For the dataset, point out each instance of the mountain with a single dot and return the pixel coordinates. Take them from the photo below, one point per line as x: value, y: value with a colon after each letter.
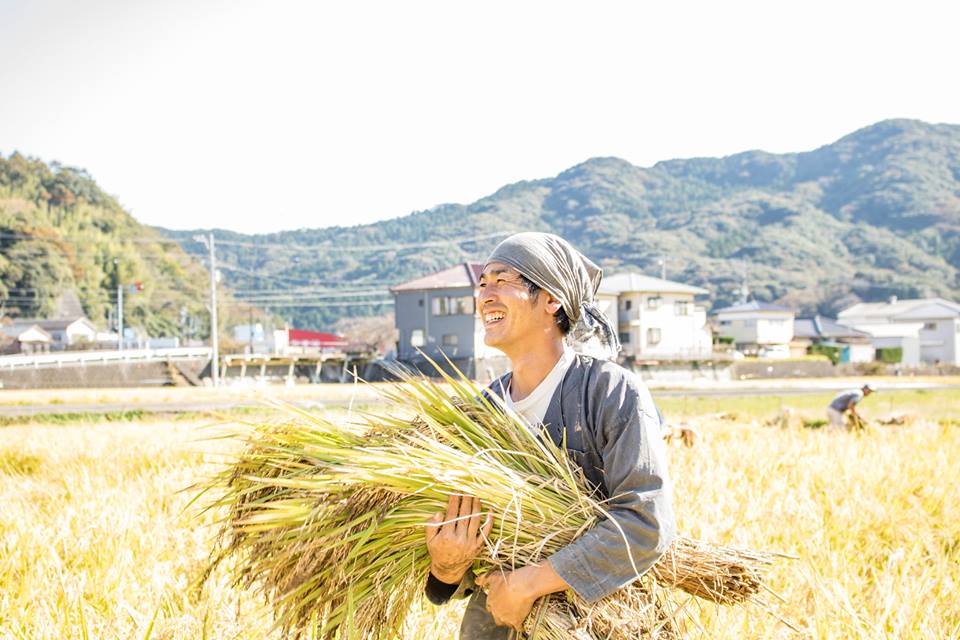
x: 874, y: 214
x: 65, y: 246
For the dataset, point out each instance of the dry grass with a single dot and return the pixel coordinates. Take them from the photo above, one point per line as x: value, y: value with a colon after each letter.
x: 93, y: 541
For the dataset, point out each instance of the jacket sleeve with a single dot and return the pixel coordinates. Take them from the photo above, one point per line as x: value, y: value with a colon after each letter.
x: 640, y: 524
x: 440, y: 593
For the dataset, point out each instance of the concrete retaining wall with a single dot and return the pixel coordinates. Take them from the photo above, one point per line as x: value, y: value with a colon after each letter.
x: 97, y: 374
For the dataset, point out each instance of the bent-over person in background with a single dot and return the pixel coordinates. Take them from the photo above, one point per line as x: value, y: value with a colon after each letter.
x: 846, y: 403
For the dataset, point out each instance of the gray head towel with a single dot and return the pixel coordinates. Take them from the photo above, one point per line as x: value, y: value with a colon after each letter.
x: 555, y: 266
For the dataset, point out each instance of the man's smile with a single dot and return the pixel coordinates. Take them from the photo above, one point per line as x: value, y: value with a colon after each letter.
x: 492, y: 317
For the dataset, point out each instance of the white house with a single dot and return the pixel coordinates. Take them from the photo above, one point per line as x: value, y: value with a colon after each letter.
x: 22, y: 338
x: 934, y: 321
x: 65, y: 333
x: 658, y: 318
x: 757, y: 328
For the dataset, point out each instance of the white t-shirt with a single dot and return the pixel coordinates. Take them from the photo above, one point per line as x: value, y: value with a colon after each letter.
x: 533, y: 408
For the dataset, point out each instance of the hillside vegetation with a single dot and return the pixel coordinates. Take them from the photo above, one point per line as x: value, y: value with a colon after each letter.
x: 60, y: 232
x: 874, y: 214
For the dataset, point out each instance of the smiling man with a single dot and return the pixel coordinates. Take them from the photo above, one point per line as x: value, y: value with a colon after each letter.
x: 537, y: 304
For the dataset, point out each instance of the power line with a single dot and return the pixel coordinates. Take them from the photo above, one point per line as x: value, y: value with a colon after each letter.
x: 307, y: 305
x: 265, y: 297
x: 88, y: 240
x: 262, y: 245
x: 374, y: 247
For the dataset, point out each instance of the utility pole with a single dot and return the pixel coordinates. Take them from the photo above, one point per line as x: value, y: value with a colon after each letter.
x: 214, y: 345
x: 119, y: 317
x: 215, y: 362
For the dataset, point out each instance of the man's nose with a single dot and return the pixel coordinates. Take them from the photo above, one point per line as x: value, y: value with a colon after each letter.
x: 487, y: 296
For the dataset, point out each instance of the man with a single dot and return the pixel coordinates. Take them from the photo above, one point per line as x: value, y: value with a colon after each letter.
x: 536, y: 302
x: 846, y: 402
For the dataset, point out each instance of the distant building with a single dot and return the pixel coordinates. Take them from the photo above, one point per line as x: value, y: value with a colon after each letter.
x: 934, y: 321
x: 24, y: 339
x: 757, y: 328
x: 255, y: 339
x: 66, y: 333
x: 318, y: 340
x: 658, y: 319
x: 437, y: 314
x: 249, y: 333
x: 852, y: 345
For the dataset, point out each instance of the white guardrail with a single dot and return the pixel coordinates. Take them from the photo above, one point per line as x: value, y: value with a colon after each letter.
x: 62, y: 358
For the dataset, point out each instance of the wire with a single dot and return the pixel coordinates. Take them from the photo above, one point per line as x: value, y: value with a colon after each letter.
x: 306, y: 305
x: 87, y: 240
x: 264, y: 297
x: 261, y: 245
x: 378, y: 247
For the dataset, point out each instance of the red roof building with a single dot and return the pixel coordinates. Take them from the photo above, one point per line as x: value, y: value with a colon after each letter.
x: 315, y: 339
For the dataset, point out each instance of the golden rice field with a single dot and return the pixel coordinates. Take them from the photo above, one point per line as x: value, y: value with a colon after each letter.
x: 97, y: 540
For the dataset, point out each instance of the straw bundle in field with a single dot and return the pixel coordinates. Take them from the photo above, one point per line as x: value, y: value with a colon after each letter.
x: 327, y: 519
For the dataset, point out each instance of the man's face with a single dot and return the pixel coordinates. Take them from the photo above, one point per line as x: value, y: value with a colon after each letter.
x: 510, y: 314
x: 867, y: 391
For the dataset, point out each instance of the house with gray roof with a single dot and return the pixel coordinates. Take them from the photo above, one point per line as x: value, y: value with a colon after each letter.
x: 16, y: 338
x: 436, y: 315
x: 933, y: 322
x: 66, y: 333
x: 852, y: 345
x: 757, y: 328
x: 659, y: 319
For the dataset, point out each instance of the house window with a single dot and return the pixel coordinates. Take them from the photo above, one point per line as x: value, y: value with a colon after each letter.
x: 624, y: 337
x: 653, y: 335
x: 627, y: 304
x: 453, y: 306
x: 416, y: 338
x: 929, y: 326
x: 450, y: 340
x: 653, y: 302
x: 682, y: 308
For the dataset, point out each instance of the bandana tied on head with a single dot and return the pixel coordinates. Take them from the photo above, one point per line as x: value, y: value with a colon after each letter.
x: 551, y: 263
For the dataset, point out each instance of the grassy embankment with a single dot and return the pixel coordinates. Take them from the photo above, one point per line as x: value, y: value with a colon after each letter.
x: 94, y: 540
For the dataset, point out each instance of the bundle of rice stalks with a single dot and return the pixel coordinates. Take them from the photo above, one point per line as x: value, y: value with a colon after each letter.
x: 327, y: 519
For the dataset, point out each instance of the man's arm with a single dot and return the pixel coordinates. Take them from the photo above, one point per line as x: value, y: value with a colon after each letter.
x: 852, y: 407
x: 640, y: 524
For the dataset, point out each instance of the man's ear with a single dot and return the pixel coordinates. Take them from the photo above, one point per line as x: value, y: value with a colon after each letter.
x: 553, y: 305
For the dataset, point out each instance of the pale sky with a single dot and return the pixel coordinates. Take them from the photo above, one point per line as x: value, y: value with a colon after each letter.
x: 263, y: 116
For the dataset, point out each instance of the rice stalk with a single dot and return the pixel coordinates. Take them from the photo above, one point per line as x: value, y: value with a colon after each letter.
x: 327, y: 519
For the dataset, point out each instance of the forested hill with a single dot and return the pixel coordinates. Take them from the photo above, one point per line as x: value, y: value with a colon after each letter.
x: 59, y: 232
x: 874, y: 214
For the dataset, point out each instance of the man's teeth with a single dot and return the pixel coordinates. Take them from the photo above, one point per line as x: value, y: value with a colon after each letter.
x: 493, y: 317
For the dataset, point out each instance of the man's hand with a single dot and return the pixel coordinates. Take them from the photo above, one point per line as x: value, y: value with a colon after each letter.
x: 455, y: 538
x: 511, y: 594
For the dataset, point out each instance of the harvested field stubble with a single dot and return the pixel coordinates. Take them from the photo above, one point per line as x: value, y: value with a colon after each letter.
x: 93, y: 538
